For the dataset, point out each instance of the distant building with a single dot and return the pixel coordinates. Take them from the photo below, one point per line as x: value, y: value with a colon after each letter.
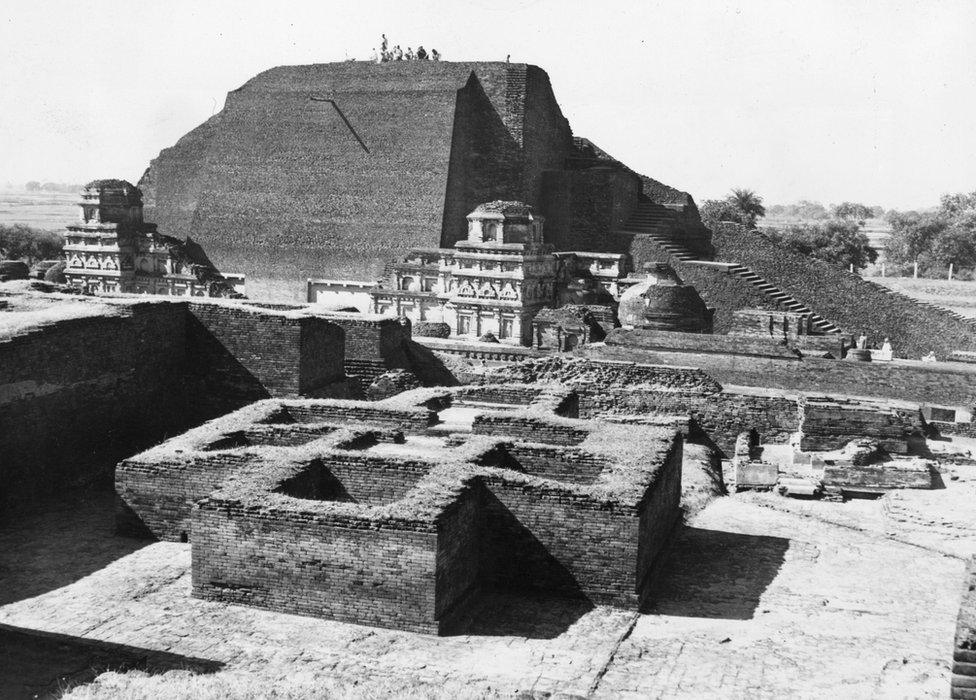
x: 493, y: 282
x: 112, y: 250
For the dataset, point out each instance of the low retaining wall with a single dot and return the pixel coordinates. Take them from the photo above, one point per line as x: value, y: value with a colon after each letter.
x: 964, y: 652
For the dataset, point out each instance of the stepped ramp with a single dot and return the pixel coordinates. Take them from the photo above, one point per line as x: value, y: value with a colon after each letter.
x: 656, y: 233
x: 850, y: 302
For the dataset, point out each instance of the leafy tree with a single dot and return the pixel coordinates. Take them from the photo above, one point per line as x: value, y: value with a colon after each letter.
x: 837, y: 242
x: 33, y: 186
x: 934, y: 240
x: 18, y: 242
x: 851, y: 211
x: 741, y: 207
x: 749, y: 205
x: 956, y: 246
x: 716, y: 211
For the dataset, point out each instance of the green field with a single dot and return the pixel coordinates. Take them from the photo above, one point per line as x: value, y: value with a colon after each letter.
x: 50, y: 211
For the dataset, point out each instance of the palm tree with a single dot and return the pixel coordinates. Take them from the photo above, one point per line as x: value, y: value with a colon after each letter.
x: 749, y: 205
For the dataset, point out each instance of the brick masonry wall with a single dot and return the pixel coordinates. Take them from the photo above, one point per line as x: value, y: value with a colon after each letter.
x: 237, y: 355
x: 721, y: 416
x: 77, y: 392
x: 609, y: 555
x: 561, y: 463
x: 659, y: 513
x: 937, y: 383
x: 964, y: 651
x: 156, y: 497
x: 460, y: 530
x: 283, y: 562
x: 527, y: 428
x: 831, y: 424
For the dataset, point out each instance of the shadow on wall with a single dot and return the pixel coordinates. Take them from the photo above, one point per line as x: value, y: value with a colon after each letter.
x: 428, y: 367
x: 526, y: 591
x: 716, y: 574
x: 57, y: 544
x: 41, y: 664
x: 216, y: 381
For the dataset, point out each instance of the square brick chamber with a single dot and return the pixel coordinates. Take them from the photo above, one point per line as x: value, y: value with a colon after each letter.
x: 402, y: 513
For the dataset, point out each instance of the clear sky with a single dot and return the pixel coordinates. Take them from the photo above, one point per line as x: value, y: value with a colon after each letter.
x: 869, y: 101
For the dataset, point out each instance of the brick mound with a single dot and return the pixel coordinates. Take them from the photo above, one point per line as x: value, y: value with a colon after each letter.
x: 852, y: 303
x: 400, y: 513
x: 334, y: 169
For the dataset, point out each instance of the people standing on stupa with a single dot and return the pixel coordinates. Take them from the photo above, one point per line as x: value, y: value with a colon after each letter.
x: 397, y: 53
x: 421, y: 54
x: 409, y: 55
x: 376, y: 57
x: 435, y: 55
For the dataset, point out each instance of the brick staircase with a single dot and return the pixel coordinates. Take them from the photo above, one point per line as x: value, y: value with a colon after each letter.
x: 659, y: 224
x: 781, y: 298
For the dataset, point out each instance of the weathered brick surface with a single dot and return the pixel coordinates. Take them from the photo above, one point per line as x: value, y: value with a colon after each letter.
x: 77, y: 387
x: 720, y: 416
x: 831, y: 423
x: 964, y: 652
x: 121, y: 379
x: 442, y: 137
x: 324, y: 528
x: 944, y: 384
x: 241, y: 354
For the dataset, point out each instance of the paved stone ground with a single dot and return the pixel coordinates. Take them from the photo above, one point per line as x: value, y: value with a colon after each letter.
x: 761, y: 596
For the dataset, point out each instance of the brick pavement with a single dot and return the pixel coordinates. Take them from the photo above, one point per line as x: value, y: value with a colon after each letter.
x: 757, y: 602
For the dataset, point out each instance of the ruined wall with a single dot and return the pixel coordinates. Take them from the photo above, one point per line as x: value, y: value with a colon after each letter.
x: 238, y: 354
x: 829, y: 424
x: 721, y: 416
x: 336, y: 569
x: 77, y: 394
x: 964, y: 651
x: 942, y: 384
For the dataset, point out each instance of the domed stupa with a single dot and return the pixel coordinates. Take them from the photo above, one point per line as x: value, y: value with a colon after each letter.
x: 662, y: 302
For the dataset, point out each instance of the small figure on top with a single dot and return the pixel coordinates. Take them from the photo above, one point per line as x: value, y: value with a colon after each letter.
x: 409, y: 55
x: 508, y: 58
x: 376, y: 57
x: 435, y: 55
x: 862, y: 342
x: 397, y: 53
x: 421, y: 54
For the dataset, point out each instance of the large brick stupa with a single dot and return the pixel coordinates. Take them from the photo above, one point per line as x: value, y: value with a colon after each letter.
x: 332, y: 170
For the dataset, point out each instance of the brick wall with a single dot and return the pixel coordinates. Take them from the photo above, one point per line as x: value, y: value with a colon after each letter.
x: 77, y: 394
x: 829, y: 424
x: 964, y: 651
x: 937, y: 383
x: 282, y: 561
x: 721, y: 416
x: 238, y: 354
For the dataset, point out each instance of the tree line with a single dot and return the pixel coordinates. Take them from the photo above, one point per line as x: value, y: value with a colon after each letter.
x: 935, y: 239
x: 835, y: 236
x: 21, y: 242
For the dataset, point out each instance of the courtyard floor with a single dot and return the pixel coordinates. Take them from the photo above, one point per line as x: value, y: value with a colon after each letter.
x: 760, y: 597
